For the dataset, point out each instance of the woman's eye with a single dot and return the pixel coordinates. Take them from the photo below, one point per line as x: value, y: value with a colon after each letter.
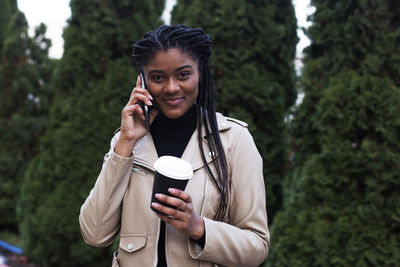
x: 156, y: 78
x: 183, y: 75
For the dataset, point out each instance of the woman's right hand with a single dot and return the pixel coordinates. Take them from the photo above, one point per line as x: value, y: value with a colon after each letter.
x: 133, y: 125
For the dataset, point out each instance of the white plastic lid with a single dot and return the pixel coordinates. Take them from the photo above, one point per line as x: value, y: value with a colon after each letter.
x: 174, y: 167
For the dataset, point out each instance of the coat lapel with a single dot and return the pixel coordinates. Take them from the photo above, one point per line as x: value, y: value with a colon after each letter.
x: 145, y: 152
x: 192, y: 152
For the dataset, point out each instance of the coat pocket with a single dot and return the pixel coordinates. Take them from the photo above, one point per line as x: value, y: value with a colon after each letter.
x: 132, y: 242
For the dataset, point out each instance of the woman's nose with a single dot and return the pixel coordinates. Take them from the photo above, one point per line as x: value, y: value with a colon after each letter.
x: 172, y: 86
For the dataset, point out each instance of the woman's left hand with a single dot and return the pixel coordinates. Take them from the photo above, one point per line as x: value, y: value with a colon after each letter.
x: 183, y: 218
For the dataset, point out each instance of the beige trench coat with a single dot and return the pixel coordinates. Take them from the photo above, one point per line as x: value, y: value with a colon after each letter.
x: 120, y: 203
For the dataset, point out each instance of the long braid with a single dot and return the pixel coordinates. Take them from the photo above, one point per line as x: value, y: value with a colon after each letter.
x: 215, y: 145
x: 198, y: 45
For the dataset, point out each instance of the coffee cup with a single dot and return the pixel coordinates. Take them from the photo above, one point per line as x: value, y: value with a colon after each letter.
x: 170, y: 172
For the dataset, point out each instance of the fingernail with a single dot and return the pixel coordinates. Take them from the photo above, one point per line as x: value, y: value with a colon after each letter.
x: 171, y: 190
x: 155, y: 205
x: 158, y: 196
x: 151, y: 98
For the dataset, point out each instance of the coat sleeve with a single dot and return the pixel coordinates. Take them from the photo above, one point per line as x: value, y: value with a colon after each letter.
x: 244, y: 240
x: 100, y: 215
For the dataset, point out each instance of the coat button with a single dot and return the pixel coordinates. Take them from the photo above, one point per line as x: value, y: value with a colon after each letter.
x: 130, y: 246
x: 211, y: 154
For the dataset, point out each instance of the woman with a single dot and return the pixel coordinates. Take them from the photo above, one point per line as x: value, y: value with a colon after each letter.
x: 221, y: 215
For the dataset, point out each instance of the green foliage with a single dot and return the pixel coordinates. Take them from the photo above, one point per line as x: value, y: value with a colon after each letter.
x: 25, y: 71
x: 8, y: 8
x: 252, y: 66
x: 342, y: 197
x: 92, y: 83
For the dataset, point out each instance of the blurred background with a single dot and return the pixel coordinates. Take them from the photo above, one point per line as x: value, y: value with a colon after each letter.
x: 317, y: 82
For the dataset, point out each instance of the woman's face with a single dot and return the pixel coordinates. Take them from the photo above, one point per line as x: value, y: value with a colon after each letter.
x: 172, y: 78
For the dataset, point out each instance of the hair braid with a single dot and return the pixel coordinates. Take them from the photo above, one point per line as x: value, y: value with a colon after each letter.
x: 198, y: 45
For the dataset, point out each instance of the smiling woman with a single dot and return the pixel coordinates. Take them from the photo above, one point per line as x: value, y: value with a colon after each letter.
x: 220, y: 217
x: 172, y: 77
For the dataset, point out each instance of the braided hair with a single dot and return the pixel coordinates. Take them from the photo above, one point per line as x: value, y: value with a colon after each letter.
x: 197, y: 44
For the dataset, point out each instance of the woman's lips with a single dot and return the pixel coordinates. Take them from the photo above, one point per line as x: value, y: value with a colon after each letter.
x: 174, y: 101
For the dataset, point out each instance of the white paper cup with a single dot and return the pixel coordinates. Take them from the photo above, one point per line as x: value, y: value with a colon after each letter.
x: 170, y: 172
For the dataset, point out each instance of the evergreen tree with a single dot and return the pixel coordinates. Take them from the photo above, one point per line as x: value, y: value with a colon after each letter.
x: 92, y: 82
x: 25, y: 70
x: 252, y: 65
x: 8, y: 8
x: 342, y: 199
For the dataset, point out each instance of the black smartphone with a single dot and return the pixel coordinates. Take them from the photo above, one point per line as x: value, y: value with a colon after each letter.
x: 146, y: 109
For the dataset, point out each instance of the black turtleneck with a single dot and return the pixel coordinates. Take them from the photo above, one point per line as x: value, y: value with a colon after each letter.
x: 171, y: 138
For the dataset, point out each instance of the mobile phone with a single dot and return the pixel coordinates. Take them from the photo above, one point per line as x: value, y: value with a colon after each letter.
x: 146, y: 109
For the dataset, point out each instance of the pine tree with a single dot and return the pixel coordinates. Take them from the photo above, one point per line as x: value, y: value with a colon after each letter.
x: 92, y: 83
x: 25, y: 71
x: 8, y: 8
x: 342, y: 199
x: 252, y: 65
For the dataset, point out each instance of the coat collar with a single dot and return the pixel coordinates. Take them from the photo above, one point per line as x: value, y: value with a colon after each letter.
x: 146, y: 154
